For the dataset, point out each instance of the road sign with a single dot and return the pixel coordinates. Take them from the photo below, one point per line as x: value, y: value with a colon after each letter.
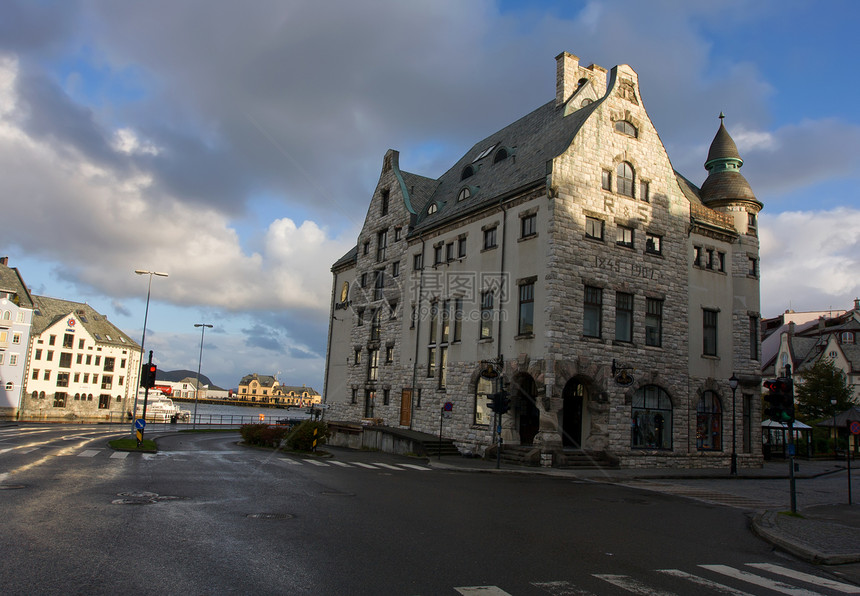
x: 854, y: 427
x: 140, y: 423
x: 448, y: 407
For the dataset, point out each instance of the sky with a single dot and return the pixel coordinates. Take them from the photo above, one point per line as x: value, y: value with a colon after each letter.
x: 235, y: 146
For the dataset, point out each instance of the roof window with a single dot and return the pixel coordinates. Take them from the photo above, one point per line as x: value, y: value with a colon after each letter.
x: 468, y: 172
x: 433, y: 208
x: 485, y: 152
x: 500, y: 155
x: 464, y: 194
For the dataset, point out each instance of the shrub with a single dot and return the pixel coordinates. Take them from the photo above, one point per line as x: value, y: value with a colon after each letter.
x: 263, y: 435
x: 302, y: 437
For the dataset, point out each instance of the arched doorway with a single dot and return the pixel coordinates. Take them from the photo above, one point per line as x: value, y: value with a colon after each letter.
x: 573, y: 397
x: 524, y: 392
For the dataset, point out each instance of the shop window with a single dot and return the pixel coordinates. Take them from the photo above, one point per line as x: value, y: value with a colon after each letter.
x: 709, y: 423
x: 651, y: 414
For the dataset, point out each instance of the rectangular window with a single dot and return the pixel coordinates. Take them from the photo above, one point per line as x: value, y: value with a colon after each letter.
x: 443, y: 367
x: 486, y: 314
x: 753, y: 267
x: 359, y: 317
x: 13, y: 359
x: 16, y: 338
x: 458, y: 318
x: 697, y: 256
x: 431, y: 362
x: 527, y: 309
x: 653, y: 322
x: 366, y: 248
x: 381, y: 245
x: 379, y: 284
x: 52, y: 339
x: 434, y: 318
x: 63, y: 379
x: 374, y: 326
x: 386, y: 396
x: 363, y: 281
x: 384, y: 209
x: 417, y: 262
x: 109, y: 364
x: 625, y: 237
x: 623, y: 317
x: 751, y: 220
x: 50, y: 356
x: 709, y: 332
x: 389, y: 354
x: 354, y: 398
x: 373, y: 365
x: 446, y: 322
x: 79, y: 359
x: 653, y: 244
x: 47, y: 376
x: 490, y: 238
x: 65, y: 360
x: 68, y: 340
x: 38, y: 355
x: 593, y: 228
x: 606, y: 180
x: 461, y: 247
x: 721, y: 262
x: 395, y: 269
x: 357, y: 356
x: 80, y: 344
x: 35, y: 376
x: 754, y: 325
x: 644, y: 191
x: 449, y: 251
x: 398, y: 234
x: 107, y: 382
x: 60, y: 399
x: 528, y: 226
x: 437, y: 254
x: 592, y: 311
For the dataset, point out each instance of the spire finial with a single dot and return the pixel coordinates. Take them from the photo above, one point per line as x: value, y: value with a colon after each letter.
x: 721, y: 117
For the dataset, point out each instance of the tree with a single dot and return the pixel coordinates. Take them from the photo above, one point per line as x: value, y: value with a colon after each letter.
x: 819, y: 384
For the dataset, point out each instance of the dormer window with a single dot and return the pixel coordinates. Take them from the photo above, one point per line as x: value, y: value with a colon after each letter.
x: 464, y: 194
x: 432, y: 209
x: 468, y: 172
x: 625, y: 127
x: 501, y: 154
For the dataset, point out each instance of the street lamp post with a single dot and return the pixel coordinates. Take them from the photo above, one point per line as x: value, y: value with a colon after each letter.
x: 733, y: 383
x: 203, y: 327
x: 833, y: 403
x: 143, y: 337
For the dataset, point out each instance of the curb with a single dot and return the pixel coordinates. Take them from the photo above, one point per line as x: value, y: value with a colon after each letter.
x: 766, y: 526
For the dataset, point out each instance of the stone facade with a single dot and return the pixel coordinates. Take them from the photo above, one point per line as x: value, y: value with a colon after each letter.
x: 613, y: 297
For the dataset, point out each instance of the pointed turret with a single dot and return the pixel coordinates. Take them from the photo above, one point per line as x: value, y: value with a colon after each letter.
x: 725, y: 189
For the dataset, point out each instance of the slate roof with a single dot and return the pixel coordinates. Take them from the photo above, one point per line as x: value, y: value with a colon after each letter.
x: 285, y: 389
x: 47, y: 311
x: 12, y: 283
x: 264, y: 380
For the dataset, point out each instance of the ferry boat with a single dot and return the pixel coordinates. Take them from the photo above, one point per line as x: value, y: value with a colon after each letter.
x: 160, y: 408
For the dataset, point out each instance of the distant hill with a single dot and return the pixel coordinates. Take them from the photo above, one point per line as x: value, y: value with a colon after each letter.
x: 177, y: 375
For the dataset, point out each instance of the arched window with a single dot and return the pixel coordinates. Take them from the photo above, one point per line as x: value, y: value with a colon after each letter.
x: 624, y: 127
x: 500, y: 155
x: 651, y: 424
x: 483, y: 390
x: 34, y: 395
x: 9, y: 386
x: 586, y: 102
x: 432, y: 209
x: 468, y: 172
x: 625, y: 179
x: 7, y: 315
x: 464, y: 194
x: 709, y: 423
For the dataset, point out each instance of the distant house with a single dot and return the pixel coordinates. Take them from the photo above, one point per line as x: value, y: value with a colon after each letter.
x: 257, y: 388
x: 79, y: 365
x: 290, y: 395
x: 16, y: 312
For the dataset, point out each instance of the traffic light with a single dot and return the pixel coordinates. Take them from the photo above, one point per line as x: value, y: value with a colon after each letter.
x: 493, y: 402
x: 504, y: 401
x: 780, y: 396
x: 147, y: 375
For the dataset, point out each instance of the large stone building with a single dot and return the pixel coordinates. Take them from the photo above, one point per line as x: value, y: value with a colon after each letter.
x: 16, y: 313
x: 79, y: 364
x: 563, y: 259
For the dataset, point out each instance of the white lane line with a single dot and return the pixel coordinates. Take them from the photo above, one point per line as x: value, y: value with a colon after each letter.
x: 414, y: 467
x: 721, y: 588
x: 89, y: 453
x: 561, y: 589
x: 292, y: 462
x: 342, y: 464
x: 317, y: 462
x: 364, y: 465
x: 759, y: 581
x: 388, y: 466
x: 482, y: 591
x: 119, y: 455
x: 806, y: 577
x: 625, y: 582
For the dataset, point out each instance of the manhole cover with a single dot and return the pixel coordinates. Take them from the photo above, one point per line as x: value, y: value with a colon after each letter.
x: 270, y: 516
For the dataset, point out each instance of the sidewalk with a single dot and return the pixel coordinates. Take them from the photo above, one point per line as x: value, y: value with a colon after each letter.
x: 821, y: 534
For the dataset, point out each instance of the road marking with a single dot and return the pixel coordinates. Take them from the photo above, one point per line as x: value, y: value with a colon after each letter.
x: 805, y: 577
x: 626, y: 582
x: 414, y: 467
x: 292, y: 462
x: 317, y: 463
x: 364, y: 465
x: 482, y: 591
x: 89, y: 453
x: 722, y: 589
x: 561, y: 589
x: 6, y: 450
x: 28, y: 450
x: 388, y: 466
x: 342, y: 464
x: 758, y: 580
x: 119, y: 455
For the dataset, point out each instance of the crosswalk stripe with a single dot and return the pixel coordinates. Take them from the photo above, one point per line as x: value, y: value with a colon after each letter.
x: 631, y: 585
x: 481, y: 591
x: 317, y: 462
x: 759, y: 581
x: 364, y: 465
x: 119, y: 455
x: 805, y: 577
x: 89, y: 453
x: 388, y: 466
x: 561, y: 589
x: 722, y: 589
x: 342, y: 464
x: 414, y: 467
x: 292, y: 462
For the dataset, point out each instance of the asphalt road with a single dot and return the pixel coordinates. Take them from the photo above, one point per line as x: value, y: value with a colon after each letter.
x: 207, y: 516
